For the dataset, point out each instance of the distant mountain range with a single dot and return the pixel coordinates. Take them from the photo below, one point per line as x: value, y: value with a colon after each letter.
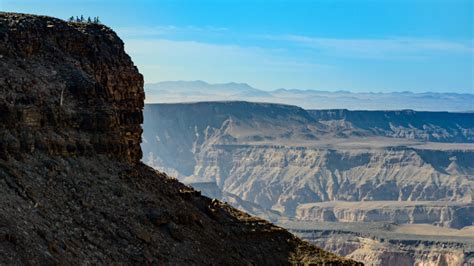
x: 195, y: 91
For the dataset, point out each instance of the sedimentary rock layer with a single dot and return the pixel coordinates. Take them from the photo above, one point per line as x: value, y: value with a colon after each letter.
x: 441, y: 213
x: 391, y: 244
x: 67, y: 90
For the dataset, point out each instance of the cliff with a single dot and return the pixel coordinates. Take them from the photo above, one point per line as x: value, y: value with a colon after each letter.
x: 72, y: 188
x: 429, y: 126
x: 441, y: 213
x: 67, y: 89
x: 281, y: 178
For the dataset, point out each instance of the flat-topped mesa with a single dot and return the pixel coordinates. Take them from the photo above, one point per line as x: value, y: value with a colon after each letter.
x: 67, y: 89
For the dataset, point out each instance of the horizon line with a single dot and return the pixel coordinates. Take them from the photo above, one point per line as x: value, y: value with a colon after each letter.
x: 313, y: 89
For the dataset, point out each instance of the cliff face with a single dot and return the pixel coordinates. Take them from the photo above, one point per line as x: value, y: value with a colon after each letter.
x: 430, y: 126
x: 281, y: 178
x: 67, y: 90
x: 441, y: 213
x: 190, y: 127
x: 72, y: 188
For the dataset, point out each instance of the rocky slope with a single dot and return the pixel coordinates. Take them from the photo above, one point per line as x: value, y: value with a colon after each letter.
x: 72, y: 188
x: 211, y: 190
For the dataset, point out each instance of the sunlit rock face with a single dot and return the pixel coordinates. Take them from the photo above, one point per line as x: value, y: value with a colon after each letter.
x: 281, y: 157
x: 440, y: 213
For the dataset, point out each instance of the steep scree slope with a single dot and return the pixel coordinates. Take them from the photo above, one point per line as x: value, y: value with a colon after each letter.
x: 72, y: 188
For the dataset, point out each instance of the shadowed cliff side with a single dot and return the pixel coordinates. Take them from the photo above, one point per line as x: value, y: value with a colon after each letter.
x: 72, y: 188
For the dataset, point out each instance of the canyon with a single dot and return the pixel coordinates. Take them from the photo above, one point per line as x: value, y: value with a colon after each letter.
x: 333, y: 167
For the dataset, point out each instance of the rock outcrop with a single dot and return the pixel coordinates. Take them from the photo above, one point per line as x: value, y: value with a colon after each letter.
x: 72, y: 189
x: 440, y: 213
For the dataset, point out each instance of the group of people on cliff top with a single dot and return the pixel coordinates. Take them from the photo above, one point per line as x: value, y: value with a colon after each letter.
x: 81, y: 19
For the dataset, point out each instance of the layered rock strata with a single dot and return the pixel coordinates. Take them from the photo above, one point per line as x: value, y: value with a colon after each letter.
x: 440, y: 213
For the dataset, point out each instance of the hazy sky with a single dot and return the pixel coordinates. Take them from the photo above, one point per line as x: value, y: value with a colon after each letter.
x: 356, y: 45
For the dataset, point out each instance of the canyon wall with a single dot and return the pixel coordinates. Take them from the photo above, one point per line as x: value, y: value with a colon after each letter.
x: 390, y: 244
x: 282, y: 178
x: 440, y: 213
x: 282, y: 157
x: 376, y: 252
x: 428, y: 126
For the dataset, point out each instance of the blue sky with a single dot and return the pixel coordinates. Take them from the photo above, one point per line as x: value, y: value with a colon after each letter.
x: 379, y: 46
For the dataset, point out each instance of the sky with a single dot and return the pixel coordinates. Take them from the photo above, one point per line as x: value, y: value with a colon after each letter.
x: 353, y: 45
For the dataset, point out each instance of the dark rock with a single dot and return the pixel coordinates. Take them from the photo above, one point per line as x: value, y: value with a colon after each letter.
x: 78, y: 79
x: 175, y: 232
